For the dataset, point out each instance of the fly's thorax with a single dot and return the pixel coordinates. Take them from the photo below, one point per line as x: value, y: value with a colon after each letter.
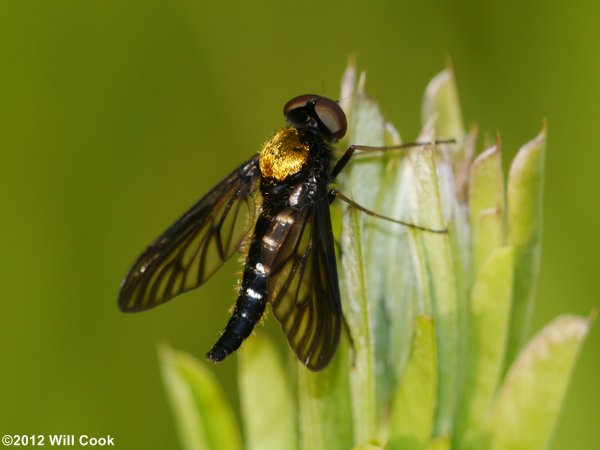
x: 285, y: 154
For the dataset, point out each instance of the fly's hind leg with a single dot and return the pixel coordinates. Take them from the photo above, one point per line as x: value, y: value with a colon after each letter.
x: 334, y: 193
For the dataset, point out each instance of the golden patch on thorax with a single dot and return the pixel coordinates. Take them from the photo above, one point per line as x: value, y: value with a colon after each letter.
x: 283, y: 155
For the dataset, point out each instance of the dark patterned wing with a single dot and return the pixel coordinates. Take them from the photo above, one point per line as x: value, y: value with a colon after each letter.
x: 299, y: 259
x: 194, y: 247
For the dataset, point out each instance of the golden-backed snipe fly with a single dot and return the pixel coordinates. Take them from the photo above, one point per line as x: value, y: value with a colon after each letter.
x: 279, y: 201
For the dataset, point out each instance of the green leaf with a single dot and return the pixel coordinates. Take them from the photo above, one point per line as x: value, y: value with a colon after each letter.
x: 486, y: 205
x: 267, y: 402
x: 392, y: 288
x: 363, y: 176
x: 204, y: 418
x: 488, y: 330
x: 370, y: 262
x: 441, y: 183
x: 487, y: 236
x: 324, y: 405
x: 441, y: 103
x: 528, y: 404
x: 414, y: 405
x: 525, y: 185
x: 357, y: 312
x: 437, y: 280
x: 486, y: 183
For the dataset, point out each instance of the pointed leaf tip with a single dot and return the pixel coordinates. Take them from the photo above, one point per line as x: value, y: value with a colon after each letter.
x: 486, y: 205
x: 524, y: 199
x: 441, y: 104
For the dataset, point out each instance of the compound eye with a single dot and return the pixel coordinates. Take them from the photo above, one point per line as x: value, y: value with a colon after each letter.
x: 299, y: 102
x: 331, y: 116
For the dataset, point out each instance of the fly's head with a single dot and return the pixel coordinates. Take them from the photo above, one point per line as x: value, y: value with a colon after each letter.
x: 317, y: 114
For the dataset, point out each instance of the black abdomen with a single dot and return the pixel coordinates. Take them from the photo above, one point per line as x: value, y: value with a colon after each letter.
x: 252, y: 298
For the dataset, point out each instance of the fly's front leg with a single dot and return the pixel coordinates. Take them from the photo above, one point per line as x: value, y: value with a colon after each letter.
x: 341, y: 163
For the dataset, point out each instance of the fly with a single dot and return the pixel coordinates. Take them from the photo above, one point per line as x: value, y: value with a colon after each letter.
x: 279, y: 201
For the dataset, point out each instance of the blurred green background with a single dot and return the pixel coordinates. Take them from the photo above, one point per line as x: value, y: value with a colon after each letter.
x: 115, y: 116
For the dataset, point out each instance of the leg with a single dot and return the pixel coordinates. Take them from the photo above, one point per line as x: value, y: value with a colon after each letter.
x: 366, y: 148
x: 335, y: 193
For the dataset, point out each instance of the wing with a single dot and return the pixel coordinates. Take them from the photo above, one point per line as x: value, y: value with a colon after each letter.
x: 302, y: 280
x: 195, y: 246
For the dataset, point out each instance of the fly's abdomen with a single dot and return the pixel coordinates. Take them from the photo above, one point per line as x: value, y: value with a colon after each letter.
x: 251, y: 302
